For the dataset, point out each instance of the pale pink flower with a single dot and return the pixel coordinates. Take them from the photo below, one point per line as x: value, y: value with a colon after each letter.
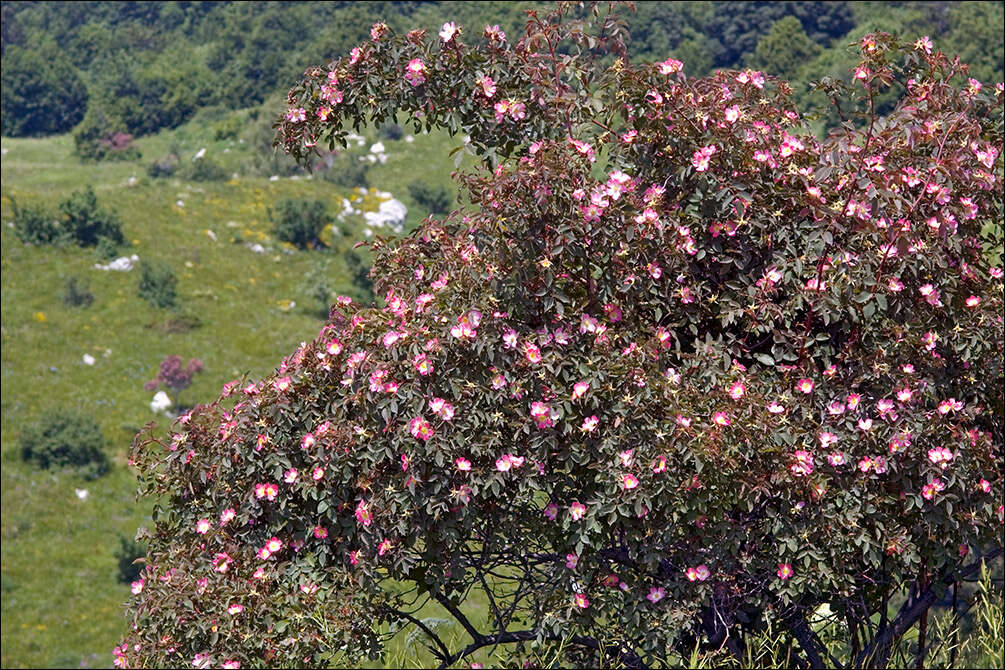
x: 448, y: 31
x: 700, y: 159
x: 363, y: 514
x: 415, y: 72
x: 320, y: 532
x: 865, y: 424
x: 577, y: 510
x: 221, y: 561
x: 804, y: 463
x: 442, y: 408
x: 235, y: 609
x: 625, y: 457
x: 698, y: 574
x: 579, y: 389
x: 385, y: 546
x: 670, y: 66
x: 231, y: 664
x: 317, y: 473
x: 551, y: 511
x: 853, y: 401
x: 805, y: 386
x: 629, y: 481
x: 202, y: 527
x: 775, y: 408
x: 463, y: 464
x: 226, y: 516
x: 656, y: 594
x: 660, y: 464
x: 581, y: 601
x: 589, y: 424
x: 737, y: 390
x: 420, y: 428
x: 137, y: 586
x: 290, y: 475
x: 281, y: 384
x: 571, y: 561
x: 836, y: 458
x: 488, y: 86
x: 720, y: 419
x: 784, y: 571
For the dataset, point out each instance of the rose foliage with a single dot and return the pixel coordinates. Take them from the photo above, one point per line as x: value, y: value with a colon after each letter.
x: 680, y: 370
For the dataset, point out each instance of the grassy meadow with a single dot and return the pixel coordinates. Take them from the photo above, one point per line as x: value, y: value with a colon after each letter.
x: 62, y: 600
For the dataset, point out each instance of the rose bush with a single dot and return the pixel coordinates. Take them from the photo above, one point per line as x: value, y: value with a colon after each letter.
x: 682, y: 370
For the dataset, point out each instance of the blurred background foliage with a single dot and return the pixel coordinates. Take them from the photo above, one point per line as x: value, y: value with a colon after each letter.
x: 139, y: 67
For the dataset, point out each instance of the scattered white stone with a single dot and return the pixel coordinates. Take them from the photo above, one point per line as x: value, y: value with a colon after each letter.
x: 82, y: 493
x: 377, y: 148
x: 295, y: 177
x: 121, y: 264
x: 3, y: 152
x: 227, y: 150
x: 371, y: 158
x: 257, y: 248
x: 391, y: 213
x: 409, y: 139
x: 132, y: 181
x: 274, y: 177
x: 234, y: 176
x: 108, y: 353
x: 180, y: 203
x: 88, y: 359
x: 160, y: 403
x: 232, y: 224
x: 211, y: 234
x: 199, y: 154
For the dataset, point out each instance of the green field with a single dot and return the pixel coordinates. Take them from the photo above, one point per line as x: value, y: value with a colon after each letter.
x: 61, y: 597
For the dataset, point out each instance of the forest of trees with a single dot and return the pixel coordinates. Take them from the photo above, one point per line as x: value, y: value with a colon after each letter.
x: 137, y: 67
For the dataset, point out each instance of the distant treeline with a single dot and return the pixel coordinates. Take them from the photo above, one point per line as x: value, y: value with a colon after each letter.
x: 135, y: 68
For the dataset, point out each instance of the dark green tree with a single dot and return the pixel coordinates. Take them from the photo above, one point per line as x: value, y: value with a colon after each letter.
x: 41, y: 92
x: 785, y: 50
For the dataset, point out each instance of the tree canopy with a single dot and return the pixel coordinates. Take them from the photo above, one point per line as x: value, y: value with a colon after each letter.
x: 680, y: 371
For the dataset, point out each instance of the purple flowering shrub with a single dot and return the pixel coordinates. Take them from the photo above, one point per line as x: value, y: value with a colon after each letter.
x: 681, y: 371
x: 174, y: 375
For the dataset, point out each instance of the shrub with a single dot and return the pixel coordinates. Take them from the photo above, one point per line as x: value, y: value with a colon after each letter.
x: 34, y: 224
x: 681, y: 378
x: 433, y: 199
x: 348, y: 171
x: 87, y: 223
x: 174, y: 376
x: 391, y: 131
x: 66, y: 439
x: 318, y: 286
x: 163, y: 167
x: 126, y: 555
x: 77, y: 293
x: 158, y: 284
x: 102, y: 136
x: 205, y: 169
x: 228, y: 128
x: 300, y: 221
